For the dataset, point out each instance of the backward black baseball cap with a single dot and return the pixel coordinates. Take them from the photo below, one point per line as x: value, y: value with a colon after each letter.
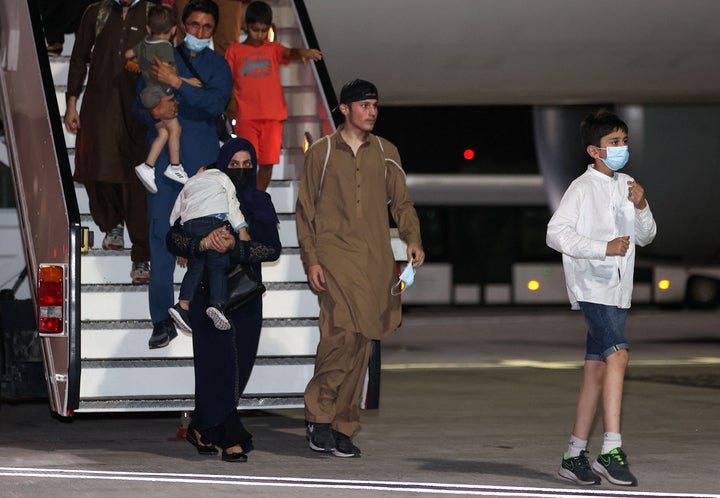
x: 357, y: 89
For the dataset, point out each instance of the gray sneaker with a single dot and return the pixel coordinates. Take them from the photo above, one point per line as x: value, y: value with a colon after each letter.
x: 140, y: 273
x: 215, y: 312
x: 115, y: 239
x: 320, y: 437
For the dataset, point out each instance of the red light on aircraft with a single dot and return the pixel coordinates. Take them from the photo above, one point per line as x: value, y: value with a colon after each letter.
x: 469, y: 154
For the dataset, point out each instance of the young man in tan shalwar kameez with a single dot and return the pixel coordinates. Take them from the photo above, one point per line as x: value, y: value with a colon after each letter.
x: 344, y: 233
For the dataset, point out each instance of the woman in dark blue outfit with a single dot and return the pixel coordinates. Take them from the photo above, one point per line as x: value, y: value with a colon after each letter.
x: 224, y: 359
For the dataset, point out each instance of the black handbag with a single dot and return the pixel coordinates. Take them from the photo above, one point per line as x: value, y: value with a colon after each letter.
x: 243, y: 286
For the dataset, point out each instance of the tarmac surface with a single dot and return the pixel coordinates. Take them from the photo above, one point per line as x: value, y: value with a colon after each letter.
x: 474, y: 402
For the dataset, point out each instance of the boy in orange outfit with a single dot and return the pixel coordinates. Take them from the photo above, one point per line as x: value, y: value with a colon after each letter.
x: 258, y: 93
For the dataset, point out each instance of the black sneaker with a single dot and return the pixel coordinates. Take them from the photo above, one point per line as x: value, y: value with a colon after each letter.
x: 344, y: 447
x: 181, y: 317
x: 614, y: 467
x: 163, y: 332
x: 320, y: 437
x: 577, y: 469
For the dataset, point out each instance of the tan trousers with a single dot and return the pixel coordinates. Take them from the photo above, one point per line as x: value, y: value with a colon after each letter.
x: 333, y: 394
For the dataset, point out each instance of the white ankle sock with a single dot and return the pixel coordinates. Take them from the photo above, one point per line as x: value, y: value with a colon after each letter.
x: 611, y: 440
x: 575, y: 446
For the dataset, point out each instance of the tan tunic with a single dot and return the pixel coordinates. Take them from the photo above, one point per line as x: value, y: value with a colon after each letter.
x: 346, y: 231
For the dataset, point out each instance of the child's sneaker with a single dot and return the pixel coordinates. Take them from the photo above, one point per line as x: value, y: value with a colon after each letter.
x: 181, y: 317
x: 176, y: 173
x: 219, y: 319
x: 146, y: 174
x: 577, y: 469
x: 614, y: 467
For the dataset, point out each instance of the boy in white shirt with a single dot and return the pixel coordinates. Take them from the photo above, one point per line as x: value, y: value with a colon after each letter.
x: 207, y: 201
x: 601, y: 217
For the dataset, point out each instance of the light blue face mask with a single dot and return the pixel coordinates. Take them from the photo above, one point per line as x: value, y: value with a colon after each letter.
x: 406, y: 279
x: 131, y: 5
x: 196, y: 44
x: 617, y: 157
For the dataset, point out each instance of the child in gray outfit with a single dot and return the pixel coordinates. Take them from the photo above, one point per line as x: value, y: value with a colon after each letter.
x: 157, y: 46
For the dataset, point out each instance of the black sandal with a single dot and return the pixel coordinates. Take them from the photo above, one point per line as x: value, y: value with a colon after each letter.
x: 234, y: 457
x: 203, y: 449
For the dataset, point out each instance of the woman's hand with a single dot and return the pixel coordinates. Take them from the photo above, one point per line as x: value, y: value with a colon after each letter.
x: 220, y: 240
x: 182, y: 262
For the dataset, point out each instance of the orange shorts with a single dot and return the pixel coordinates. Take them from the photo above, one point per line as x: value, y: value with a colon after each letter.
x: 265, y: 135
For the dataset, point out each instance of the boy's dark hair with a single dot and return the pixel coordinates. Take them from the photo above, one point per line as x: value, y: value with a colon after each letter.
x: 206, y: 6
x: 258, y: 11
x: 161, y: 19
x: 598, y: 124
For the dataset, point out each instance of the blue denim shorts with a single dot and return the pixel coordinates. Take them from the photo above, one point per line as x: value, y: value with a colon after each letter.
x: 606, y: 330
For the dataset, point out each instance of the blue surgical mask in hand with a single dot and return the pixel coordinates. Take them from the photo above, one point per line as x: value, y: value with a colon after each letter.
x: 406, y: 279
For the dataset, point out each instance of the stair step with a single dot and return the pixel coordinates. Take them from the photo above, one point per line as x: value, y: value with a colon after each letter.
x: 143, y: 379
x: 122, y: 340
x: 130, y: 302
x: 101, y: 267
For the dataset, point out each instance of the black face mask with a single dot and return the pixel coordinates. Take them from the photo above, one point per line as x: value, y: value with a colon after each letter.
x: 240, y: 177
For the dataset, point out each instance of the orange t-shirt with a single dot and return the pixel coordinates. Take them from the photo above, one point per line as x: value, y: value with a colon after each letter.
x: 256, y: 80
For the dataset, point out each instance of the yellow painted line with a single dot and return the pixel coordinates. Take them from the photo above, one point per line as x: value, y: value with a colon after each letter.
x: 551, y: 365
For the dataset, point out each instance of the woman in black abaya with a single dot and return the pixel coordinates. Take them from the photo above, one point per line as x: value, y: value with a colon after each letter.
x: 224, y: 359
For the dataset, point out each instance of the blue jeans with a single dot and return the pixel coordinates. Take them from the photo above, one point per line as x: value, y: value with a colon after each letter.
x: 215, y: 263
x: 606, y: 330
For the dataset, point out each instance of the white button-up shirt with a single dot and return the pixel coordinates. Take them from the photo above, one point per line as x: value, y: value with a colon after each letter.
x: 208, y: 193
x: 594, y: 210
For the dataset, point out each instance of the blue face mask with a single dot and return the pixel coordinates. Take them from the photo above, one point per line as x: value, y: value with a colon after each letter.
x: 617, y: 157
x: 196, y: 44
x: 134, y: 2
x: 406, y: 279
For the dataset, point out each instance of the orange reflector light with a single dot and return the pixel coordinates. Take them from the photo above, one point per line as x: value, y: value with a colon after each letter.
x: 50, y: 299
x: 663, y: 284
x: 533, y: 285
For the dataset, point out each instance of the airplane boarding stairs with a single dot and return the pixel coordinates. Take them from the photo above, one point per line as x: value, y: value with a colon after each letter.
x: 118, y: 371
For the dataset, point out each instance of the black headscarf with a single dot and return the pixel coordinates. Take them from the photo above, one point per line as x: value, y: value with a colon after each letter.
x: 255, y: 204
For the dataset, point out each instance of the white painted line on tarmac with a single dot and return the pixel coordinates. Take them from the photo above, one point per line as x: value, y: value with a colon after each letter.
x: 294, y: 482
x: 551, y: 365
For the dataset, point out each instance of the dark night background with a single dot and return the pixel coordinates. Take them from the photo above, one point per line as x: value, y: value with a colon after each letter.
x: 481, y: 242
x: 432, y: 139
